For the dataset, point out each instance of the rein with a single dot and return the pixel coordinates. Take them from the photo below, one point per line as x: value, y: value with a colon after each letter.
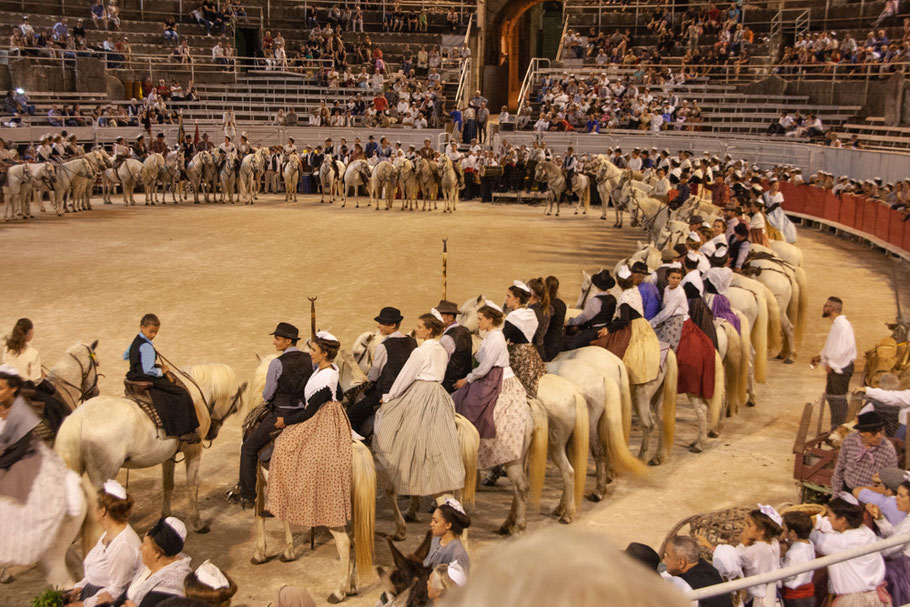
x: 210, y: 408
x: 84, y: 373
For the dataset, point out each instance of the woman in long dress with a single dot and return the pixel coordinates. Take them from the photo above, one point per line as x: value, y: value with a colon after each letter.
x: 492, y: 397
x: 415, y: 442
x: 310, y: 474
x: 519, y: 329
x: 109, y: 566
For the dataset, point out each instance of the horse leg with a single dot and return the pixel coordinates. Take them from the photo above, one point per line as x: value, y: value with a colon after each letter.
x: 193, y: 457
x: 167, y: 486
x: 288, y: 555
x: 559, y: 437
x: 260, y: 556
x: 517, y: 521
x: 701, y: 413
x: 413, y: 508
x: 401, y: 530
x: 346, y: 579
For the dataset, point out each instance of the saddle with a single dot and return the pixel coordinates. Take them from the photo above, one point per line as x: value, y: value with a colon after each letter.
x: 138, y: 392
x: 43, y: 429
x: 253, y: 420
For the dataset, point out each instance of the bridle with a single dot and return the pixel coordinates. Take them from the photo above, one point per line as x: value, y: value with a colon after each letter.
x: 235, y: 403
x: 366, y: 349
x: 84, y: 374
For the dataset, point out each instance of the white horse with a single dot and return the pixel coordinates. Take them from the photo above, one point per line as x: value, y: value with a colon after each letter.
x: 382, y: 183
x: 200, y: 172
x: 22, y: 181
x: 68, y: 175
x: 251, y: 168
x: 128, y: 175
x: 83, y: 189
x: 407, y: 182
x: 330, y: 180
x: 549, y: 172
x: 110, y: 432
x: 356, y: 175
x: 169, y: 177
x: 448, y: 183
x: 607, y: 177
x: 290, y: 172
x: 789, y: 287
x: 151, y: 167
x: 427, y: 178
x: 227, y: 176
x: 363, y: 506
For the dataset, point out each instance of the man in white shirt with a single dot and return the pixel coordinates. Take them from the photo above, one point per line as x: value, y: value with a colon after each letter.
x: 838, y: 356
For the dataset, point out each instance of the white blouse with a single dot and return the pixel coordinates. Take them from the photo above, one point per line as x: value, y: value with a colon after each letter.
x: 675, y: 303
x: 27, y: 362
x: 862, y: 574
x: 799, y: 552
x: 632, y: 298
x: 525, y: 320
x: 886, y: 529
x: 426, y: 363
x: 760, y: 557
x: 112, y: 566
x: 492, y: 352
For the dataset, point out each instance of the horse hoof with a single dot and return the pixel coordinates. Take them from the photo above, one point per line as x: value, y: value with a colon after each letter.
x: 284, y: 558
x: 410, y: 517
x: 503, y: 531
x: 259, y: 560
x: 576, y: 212
x: 655, y: 462
x: 6, y: 577
x: 788, y: 361
x: 595, y: 497
x: 203, y: 529
x: 713, y: 434
x: 548, y: 214
x: 59, y: 214
x: 695, y: 449
x: 399, y: 536
x: 565, y: 520
x: 334, y: 599
x: 750, y: 403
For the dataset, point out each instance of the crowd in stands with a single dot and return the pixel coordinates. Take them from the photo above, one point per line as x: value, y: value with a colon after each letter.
x: 827, y: 51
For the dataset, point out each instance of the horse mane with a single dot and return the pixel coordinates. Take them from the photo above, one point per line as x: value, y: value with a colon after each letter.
x: 349, y: 366
x: 217, y: 381
x: 254, y: 389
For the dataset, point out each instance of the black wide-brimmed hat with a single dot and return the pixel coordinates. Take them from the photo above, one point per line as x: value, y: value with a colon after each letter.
x: 602, y: 280
x: 286, y: 330
x: 640, y: 267
x: 870, y: 421
x: 447, y: 307
x: 389, y: 316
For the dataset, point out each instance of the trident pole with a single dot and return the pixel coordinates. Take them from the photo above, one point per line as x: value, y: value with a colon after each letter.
x: 445, y: 258
x: 312, y: 336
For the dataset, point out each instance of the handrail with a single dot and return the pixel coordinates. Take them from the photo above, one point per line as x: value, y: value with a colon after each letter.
x: 771, y: 578
x: 562, y: 39
x: 463, y: 82
x: 527, y: 84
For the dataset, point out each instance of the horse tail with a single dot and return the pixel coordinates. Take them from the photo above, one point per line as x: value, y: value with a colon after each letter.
x: 760, y: 338
x: 745, y: 346
x: 537, y: 454
x: 734, y: 366
x: 625, y: 393
x: 610, y: 433
x: 803, y: 308
x: 68, y: 443
x: 775, y: 334
x: 363, y: 500
x: 469, y: 443
x: 586, y: 196
x: 668, y: 401
x: 579, y: 446
x: 716, y: 402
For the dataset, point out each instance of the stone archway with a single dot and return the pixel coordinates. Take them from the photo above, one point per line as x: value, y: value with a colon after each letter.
x: 503, y: 43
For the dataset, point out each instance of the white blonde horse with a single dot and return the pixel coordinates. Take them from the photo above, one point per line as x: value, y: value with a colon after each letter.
x: 22, y: 181
x: 200, y: 172
x: 83, y: 189
x: 111, y: 432
x: 291, y: 168
x: 227, y: 176
x: 151, y: 167
x: 330, y: 181
x: 169, y: 178
x: 428, y: 180
x: 356, y: 175
x: 363, y: 507
x: 129, y: 174
x: 789, y: 287
x: 251, y: 168
x: 448, y: 183
x: 407, y: 182
x: 382, y: 184
x: 607, y: 177
x: 549, y: 172
x: 68, y: 175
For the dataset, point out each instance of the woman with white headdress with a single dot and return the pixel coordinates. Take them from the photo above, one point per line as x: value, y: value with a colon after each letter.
x: 310, y: 473
x: 111, y: 565
x: 491, y: 397
x: 209, y: 585
x: 519, y: 329
x: 163, y: 567
x: 415, y: 442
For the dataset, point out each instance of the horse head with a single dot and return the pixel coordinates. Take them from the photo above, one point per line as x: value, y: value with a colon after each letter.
x: 222, y: 392
x: 49, y: 175
x: 467, y: 313
x: 78, y: 370
x: 586, y: 286
x: 350, y: 375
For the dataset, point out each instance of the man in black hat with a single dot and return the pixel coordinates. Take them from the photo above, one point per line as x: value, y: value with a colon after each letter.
x: 285, y: 380
x: 388, y: 359
x: 456, y: 341
x: 159, y: 146
x: 863, y: 453
x: 739, y: 247
x: 189, y: 150
x: 597, y: 313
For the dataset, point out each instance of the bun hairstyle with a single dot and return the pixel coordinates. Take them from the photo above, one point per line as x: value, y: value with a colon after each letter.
x: 216, y: 597
x: 117, y: 509
x: 458, y: 520
x: 625, y: 283
x: 432, y: 323
x: 329, y: 347
x: 520, y: 294
x: 493, y: 314
x: 15, y: 342
x: 541, y: 292
x: 852, y: 512
x: 768, y: 527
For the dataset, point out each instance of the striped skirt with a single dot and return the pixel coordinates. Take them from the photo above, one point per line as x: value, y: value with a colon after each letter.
x: 415, y: 443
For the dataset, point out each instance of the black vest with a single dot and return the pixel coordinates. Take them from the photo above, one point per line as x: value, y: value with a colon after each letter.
x: 733, y: 254
x: 460, y: 361
x: 135, y: 373
x: 702, y: 575
x: 398, y: 350
x: 296, y: 368
x: 607, y: 310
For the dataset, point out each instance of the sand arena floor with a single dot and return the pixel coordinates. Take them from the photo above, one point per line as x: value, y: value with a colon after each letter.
x: 221, y: 277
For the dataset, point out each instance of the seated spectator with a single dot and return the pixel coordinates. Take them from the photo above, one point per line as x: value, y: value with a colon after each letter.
x: 452, y: 20
x: 882, y: 493
x: 163, y: 568
x: 99, y: 14
x: 113, y: 14
x: 796, y: 548
x: 170, y: 31
x: 897, y: 558
x: 682, y: 560
x: 863, y: 453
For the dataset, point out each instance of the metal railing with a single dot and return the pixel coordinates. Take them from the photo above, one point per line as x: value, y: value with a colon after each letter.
x: 562, y: 40
x: 464, y: 85
x: 386, y: 6
x: 770, y: 579
x: 797, y: 20
x: 530, y: 79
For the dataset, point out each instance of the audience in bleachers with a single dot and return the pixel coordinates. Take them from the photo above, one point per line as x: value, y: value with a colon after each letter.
x: 826, y: 52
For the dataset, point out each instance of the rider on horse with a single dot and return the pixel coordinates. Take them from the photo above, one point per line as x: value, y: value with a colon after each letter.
x: 159, y: 146
x: 140, y: 151
x: 120, y: 152
x: 569, y: 165
x: 329, y: 151
x: 285, y: 381
x: 456, y: 341
x: 388, y: 359
x: 171, y: 400
x: 455, y: 156
x: 224, y: 150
